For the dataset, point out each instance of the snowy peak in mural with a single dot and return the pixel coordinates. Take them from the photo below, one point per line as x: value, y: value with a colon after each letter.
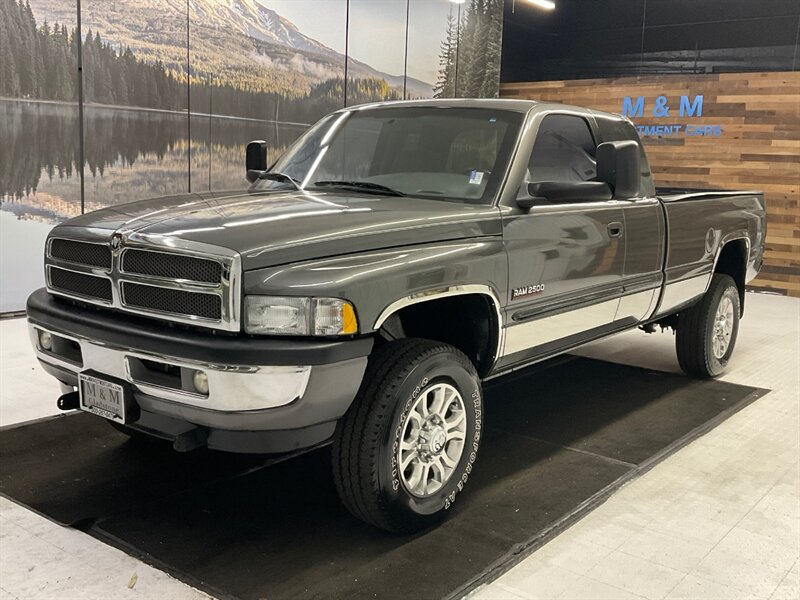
x: 257, y: 21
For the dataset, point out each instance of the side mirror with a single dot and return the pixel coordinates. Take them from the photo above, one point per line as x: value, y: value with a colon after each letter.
x: 255, y: 159
x: 618, y: 166
x: 562, y: 192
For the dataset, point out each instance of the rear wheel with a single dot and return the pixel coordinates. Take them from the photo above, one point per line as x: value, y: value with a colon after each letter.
x: 407, y: 445
x: 706, y: 332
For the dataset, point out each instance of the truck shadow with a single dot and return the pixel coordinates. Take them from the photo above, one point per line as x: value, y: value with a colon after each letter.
x: 242, y: 527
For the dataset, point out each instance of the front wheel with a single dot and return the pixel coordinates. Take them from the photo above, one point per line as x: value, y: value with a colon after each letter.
x: 407, y: 445
x: 706, y: 332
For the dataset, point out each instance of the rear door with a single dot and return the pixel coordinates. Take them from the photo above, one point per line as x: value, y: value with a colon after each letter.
x: 566, y: 261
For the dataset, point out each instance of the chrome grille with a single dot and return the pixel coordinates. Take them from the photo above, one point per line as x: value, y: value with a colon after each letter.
x: 195, y: 284
x: 81, y: 284
x: 149, y: 297
x: 171, y: 266
x: 81, y: 253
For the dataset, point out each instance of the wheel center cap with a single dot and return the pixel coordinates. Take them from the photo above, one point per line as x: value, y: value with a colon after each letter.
x: 438, y: 440
x: 432, y: 441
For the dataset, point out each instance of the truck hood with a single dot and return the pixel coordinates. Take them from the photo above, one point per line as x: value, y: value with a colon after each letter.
x: 273, y: 228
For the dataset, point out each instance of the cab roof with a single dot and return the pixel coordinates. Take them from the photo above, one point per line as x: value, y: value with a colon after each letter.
x: 508, y: 104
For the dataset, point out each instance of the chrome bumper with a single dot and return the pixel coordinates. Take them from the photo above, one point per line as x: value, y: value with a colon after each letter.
x: 231, y: 388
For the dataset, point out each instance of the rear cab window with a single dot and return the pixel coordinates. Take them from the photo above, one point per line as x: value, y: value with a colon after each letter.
x: 564, y: 150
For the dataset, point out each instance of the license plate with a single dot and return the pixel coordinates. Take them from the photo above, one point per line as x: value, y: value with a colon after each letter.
x: 102, y: 397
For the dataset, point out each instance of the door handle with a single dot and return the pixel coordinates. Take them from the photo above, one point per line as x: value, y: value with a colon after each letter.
x: 615, y: 229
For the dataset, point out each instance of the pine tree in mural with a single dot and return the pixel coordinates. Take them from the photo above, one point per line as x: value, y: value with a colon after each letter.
x: 493, y: 38
x: 445, y: 84
x: 476, y: 44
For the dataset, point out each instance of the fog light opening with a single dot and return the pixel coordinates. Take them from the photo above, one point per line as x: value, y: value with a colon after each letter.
x: 200, y: 382
x: 45, y: 340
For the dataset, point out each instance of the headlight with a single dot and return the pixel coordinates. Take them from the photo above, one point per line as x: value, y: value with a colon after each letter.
x: 289, y: 315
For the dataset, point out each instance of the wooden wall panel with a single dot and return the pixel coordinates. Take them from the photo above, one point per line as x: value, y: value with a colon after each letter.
x: 759, y: 147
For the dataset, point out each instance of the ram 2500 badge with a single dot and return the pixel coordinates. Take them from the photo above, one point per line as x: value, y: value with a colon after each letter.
x: 359, y: 292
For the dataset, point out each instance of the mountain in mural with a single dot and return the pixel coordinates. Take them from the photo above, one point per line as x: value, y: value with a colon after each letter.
x: 257, y: 21
x: 239, y: 42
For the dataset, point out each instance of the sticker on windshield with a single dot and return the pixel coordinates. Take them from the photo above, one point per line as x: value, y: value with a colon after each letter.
x: 475, y: 177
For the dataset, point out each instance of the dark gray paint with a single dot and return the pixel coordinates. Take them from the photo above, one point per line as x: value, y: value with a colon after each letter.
x: 377, y: 250
x: 272, y: 228
x: 694, y: 220
x: 644, y: 234
x: 374, y: 280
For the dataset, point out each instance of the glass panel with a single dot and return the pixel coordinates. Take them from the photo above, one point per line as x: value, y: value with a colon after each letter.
x: 135, y: 93
x: 39, y: 153
x: 259, y: 70
x: 437, y: 153
x: 564, y: 151
x: 431, y: 40
x: 470, y: 37
x: 376, y: 51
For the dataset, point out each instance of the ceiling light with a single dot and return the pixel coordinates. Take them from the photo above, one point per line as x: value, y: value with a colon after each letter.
x: 545, y: 4
x: 458, y: 1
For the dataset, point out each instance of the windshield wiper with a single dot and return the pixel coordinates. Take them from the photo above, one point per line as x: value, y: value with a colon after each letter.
x: 365, y: 186
x: 280, y: 178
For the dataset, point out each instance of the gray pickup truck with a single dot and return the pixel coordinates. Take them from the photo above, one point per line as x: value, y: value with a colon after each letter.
x: 393, y: 258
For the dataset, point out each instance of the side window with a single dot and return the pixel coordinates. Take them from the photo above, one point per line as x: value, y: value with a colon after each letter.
x: 564, y: 150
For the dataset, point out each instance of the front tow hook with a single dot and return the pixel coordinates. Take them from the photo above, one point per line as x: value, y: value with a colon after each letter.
x: 70, y: 401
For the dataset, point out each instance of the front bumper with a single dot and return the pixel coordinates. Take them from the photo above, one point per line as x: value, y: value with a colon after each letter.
x: 263, y: 394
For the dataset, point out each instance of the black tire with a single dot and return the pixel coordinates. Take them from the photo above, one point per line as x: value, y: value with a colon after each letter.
x: 367, y: 438
x: 695, y: 330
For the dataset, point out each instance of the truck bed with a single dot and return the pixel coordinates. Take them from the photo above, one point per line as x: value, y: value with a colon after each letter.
x: 699, y: 223
x: 674, y: 194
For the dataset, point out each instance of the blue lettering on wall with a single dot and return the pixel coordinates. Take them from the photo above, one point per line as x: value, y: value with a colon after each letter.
x: 661, y: 109
x: 659, y: 130
x: 633, y: 110
x: 704, y: 130
x: 690, y: 106
x: 690, y: 109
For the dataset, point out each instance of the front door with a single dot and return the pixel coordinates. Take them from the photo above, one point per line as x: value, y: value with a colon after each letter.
x: 565, y: 260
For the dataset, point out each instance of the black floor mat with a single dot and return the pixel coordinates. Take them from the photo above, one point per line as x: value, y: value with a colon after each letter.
x: 558, y: 440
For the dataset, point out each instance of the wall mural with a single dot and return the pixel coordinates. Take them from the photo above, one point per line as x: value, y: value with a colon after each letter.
x: 172, y: 90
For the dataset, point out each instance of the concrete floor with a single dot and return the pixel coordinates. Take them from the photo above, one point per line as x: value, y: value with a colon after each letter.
x: 719, y: 519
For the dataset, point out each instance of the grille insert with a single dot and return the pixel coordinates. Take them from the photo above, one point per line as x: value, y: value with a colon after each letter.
x: 81, y: 253
x: 179, y: 302
x: 81, y: 284
x: 171, y: 266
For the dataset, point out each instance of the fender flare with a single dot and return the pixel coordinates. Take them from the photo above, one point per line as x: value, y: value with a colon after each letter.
x: 448, y: 292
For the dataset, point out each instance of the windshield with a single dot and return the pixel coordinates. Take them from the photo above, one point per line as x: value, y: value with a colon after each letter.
x: 456, y: 154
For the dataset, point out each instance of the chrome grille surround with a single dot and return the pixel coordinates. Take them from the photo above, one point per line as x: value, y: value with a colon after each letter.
x: 217, y: 302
